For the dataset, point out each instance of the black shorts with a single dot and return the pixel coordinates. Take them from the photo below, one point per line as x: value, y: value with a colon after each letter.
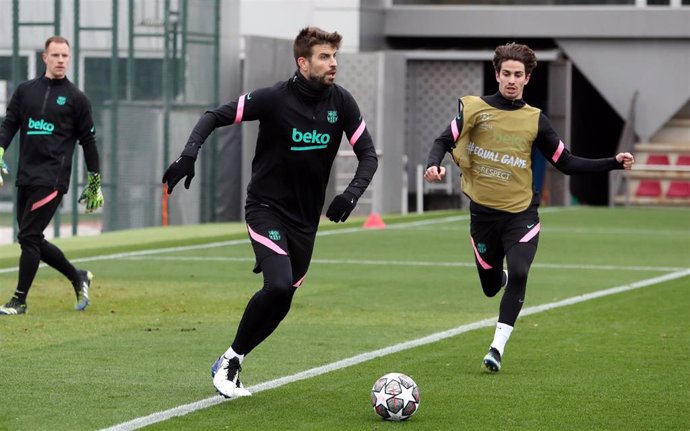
x: 271, y: 235
x: 36, y: 206
x: 494, y: 232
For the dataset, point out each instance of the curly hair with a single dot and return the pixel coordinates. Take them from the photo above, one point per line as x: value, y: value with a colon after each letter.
x: 310, y: 36
x: 517, y: 52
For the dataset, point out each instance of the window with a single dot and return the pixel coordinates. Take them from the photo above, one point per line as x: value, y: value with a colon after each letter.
x: 148, y: 79
x: 97, y: 79
x: 6, y: 68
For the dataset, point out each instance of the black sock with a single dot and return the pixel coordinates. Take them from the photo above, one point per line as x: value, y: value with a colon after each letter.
x: 262, y: 316
x: 54, y: 257
x: 28, y: 266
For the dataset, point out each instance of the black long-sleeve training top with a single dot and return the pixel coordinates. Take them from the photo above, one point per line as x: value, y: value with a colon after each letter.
x: 300, y: 130
x: 52, y: 114
x: 492, y: 139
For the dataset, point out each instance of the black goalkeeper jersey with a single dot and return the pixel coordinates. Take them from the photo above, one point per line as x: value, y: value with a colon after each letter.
x: 300, y: 130
x: 52, y: 114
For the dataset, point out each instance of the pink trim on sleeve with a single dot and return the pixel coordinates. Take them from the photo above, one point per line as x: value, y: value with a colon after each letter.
x: 45, y: 200
x: 558, y: 152
x: 299, y: 282
x: 358, y: 133
x: 454, y: 129
x: 240, y: 109
x: 265, y: 241
x: 479, y: 258
x: 532, y: 232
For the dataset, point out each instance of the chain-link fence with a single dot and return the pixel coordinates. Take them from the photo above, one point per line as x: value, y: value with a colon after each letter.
x: 149, y: 68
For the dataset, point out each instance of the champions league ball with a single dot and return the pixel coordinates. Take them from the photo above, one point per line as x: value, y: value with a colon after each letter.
x: 395, y: 397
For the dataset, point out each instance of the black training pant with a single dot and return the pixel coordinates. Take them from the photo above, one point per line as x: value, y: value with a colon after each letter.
x: 36, y: 206
x: 496, y: 235
x: 283, y: 253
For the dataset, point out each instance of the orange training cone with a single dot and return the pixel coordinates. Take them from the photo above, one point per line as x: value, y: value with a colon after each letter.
x: 374, y: 221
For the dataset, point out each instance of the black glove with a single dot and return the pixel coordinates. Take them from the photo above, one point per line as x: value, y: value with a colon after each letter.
x: 180, y: 168
x: 341, y: 207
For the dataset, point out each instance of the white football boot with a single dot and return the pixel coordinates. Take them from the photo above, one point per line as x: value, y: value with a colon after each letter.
x: 492, y: 361
x: 227, y: 378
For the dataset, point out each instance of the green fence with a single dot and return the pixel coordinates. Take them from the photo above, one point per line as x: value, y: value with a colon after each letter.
x: 150, y: 69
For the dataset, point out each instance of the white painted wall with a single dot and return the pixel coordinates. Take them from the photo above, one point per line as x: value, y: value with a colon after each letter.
x: 268, y: 18
x: 284, y: 18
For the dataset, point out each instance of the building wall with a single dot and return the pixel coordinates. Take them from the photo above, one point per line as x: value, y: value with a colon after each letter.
x: 282, y: 19
x: 613, y: 51
x: 620, y: 49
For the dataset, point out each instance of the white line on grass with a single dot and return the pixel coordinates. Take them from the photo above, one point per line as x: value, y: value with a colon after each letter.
x: 358, y: 359
x: 450, y: 219
x: 419, y: 263
x: 577, y: 231
x: 145, y: 252
x: 150, y: 252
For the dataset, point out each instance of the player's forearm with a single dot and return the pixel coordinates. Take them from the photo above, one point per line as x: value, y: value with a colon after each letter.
x: 436, y: 154
x: 91, y: 157
x: 368, y: 163
x: 440, y: 147
x: 10, y: 125
x: 571, y: 164
x: 551, y: 145
x: 7, y: 132
x: 203, y: 128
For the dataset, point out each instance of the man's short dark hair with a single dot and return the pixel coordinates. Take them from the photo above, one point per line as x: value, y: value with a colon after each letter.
x: 55, y: 39
x: 310, y: 36
x: 517, y: 52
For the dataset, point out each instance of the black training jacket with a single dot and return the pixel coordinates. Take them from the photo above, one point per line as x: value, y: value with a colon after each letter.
x: 51, y: 114
x: 300, y: 131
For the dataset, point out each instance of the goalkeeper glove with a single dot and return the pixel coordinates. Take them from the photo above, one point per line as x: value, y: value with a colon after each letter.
x: 92, y: 195
x: 180, y: 168
x: 3, y: 167
x: 341, y: 207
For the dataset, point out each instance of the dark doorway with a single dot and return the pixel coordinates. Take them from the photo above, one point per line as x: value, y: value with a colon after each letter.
x: 596, y: 128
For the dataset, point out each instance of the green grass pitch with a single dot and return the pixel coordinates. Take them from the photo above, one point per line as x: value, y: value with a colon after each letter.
x: 166, y: 303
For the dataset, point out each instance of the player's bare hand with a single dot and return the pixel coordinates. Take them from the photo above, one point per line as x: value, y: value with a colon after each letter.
x: 434, y: 174
x: 626, y: 159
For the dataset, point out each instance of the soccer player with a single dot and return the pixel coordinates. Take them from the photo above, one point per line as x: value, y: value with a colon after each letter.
x: 491, y: 139
x: 302, y: 121
x: 51, y: 115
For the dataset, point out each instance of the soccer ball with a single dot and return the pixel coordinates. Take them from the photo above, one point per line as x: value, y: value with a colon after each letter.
x: 395, y: 397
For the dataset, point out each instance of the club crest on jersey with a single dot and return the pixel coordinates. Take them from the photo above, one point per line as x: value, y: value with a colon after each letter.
x: 274, y: 235
x: 61, y: 100
x: 481, y: 248
x: 483, y: 121
x: 332, y: 116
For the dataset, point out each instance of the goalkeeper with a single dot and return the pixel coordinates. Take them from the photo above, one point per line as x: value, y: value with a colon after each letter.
x: 302, y: 121
x: 51, y: 114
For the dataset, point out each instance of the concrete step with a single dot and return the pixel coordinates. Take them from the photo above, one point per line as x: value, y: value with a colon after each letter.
x: 662, y: 147
x: 677, y: 130
x: 678, y: 122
